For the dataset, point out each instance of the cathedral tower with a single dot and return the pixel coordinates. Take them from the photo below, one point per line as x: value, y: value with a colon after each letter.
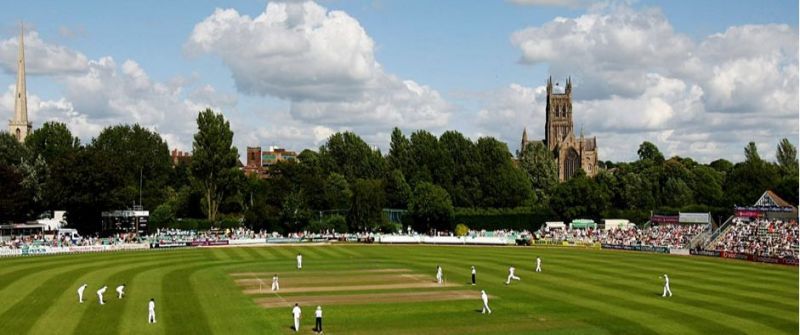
x: 570, y: 152
x: 20, y: 127
x: 558, y: 119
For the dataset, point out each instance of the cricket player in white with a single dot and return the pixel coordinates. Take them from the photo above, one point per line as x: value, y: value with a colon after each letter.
x: 474, y: 272
x: 485, y: 299
x: 538, y: 264
x: 511, y: 275
x: 121, y: 291
x: 666, y: 286
x: 439, y: 274
x: 296, y: 315
x: 151, y: 311
x: 299, y: 261
x: 318, y: 315
x: 80, y: 292
x: 100, y: 293
x: 275, y: 285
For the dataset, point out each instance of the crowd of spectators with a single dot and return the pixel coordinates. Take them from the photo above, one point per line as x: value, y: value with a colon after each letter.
x: 666, y: 235
x: 760, y: 237
x: 59, y: 240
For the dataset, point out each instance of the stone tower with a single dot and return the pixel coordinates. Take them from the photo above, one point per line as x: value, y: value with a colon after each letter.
x: 570, y: 152
x: 558, y: 119
x: 524, y: 142
x: 20, y: 127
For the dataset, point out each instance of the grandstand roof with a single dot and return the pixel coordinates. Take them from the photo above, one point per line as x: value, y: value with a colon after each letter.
x: 771, y: 199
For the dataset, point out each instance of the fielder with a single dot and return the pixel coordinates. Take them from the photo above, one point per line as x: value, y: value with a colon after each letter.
x: 121, y: 291
x: 439, y: 274
x: 318, y: 315
x: 473, y: 274
x: 511, y: 275
x: 538, y: 264
x: 299, y: 261
x: 666, y: 286
x: 100, y: 293
x: 485, y: 299
x: 275, y: 285
x: 80, y: 292
x: 296, y: 314
x: 151, y: 311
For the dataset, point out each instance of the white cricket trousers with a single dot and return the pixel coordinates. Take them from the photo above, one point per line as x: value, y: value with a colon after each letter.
x: 667, y: 291
x: 486, y: 308
x: 296, y: 324
x: 511, y: 277
x: 151, y: 317
x: 275, y: 286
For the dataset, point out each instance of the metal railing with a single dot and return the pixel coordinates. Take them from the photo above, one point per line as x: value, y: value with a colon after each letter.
x: 719, y: 232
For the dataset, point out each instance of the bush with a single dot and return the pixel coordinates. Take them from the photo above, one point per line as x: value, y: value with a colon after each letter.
x: 462, y: 230
x: 390, y: 227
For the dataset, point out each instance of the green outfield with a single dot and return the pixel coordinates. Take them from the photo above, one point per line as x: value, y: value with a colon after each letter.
x: 370, y: 289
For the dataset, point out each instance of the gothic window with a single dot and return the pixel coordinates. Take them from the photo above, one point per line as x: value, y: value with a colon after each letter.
x: 18, y: 134
x: 571, y: 164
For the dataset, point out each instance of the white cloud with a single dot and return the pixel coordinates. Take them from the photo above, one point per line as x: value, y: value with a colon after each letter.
x: 41, y: 58
x: 554, y: 3
x: 322, y: 61
x: 508, y: 110
x: 636, y: 78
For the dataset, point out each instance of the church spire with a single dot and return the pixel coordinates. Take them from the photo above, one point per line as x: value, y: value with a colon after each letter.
x: 20, y: 127
x: 524, y: 139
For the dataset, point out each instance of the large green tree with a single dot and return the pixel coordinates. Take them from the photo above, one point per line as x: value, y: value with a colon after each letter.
x: 580, y: 197
x: 706, y: 184
x: 397, y: 190
x: 366, y: 208
x: 749, y: 179
x: 11, y: 151
x: 399, y: 156
x: 213, y: 160
x: 432, y: 162
x: 142, y: 158
x: 787, y: 162
x: 15, y: 199
x: 787, y: 157
x: 52, y: 141
x: 648, y: 152
x: 502, y: 183
x: 541, y: 167
x: 347, y: 154
x: 85, y: 184
x: 430, y: 207
x: 464, y: 188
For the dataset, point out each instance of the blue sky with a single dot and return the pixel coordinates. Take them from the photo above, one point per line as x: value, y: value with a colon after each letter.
x: 477, y: 78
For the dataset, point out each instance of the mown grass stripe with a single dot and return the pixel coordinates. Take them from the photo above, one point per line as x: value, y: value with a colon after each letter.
x: 22, y: 314
x: 252, y: 254
x: 180, y: 300
x: 634, y: 318
x: 110, y: 312
x: 760, y: 292
x: 65, y: 309
x: 571, y: 268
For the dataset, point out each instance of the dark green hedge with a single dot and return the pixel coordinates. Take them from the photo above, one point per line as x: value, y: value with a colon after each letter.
x: 521, y: 218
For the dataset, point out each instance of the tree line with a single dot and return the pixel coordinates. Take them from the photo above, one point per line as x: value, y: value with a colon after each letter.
x: 346, y: 184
